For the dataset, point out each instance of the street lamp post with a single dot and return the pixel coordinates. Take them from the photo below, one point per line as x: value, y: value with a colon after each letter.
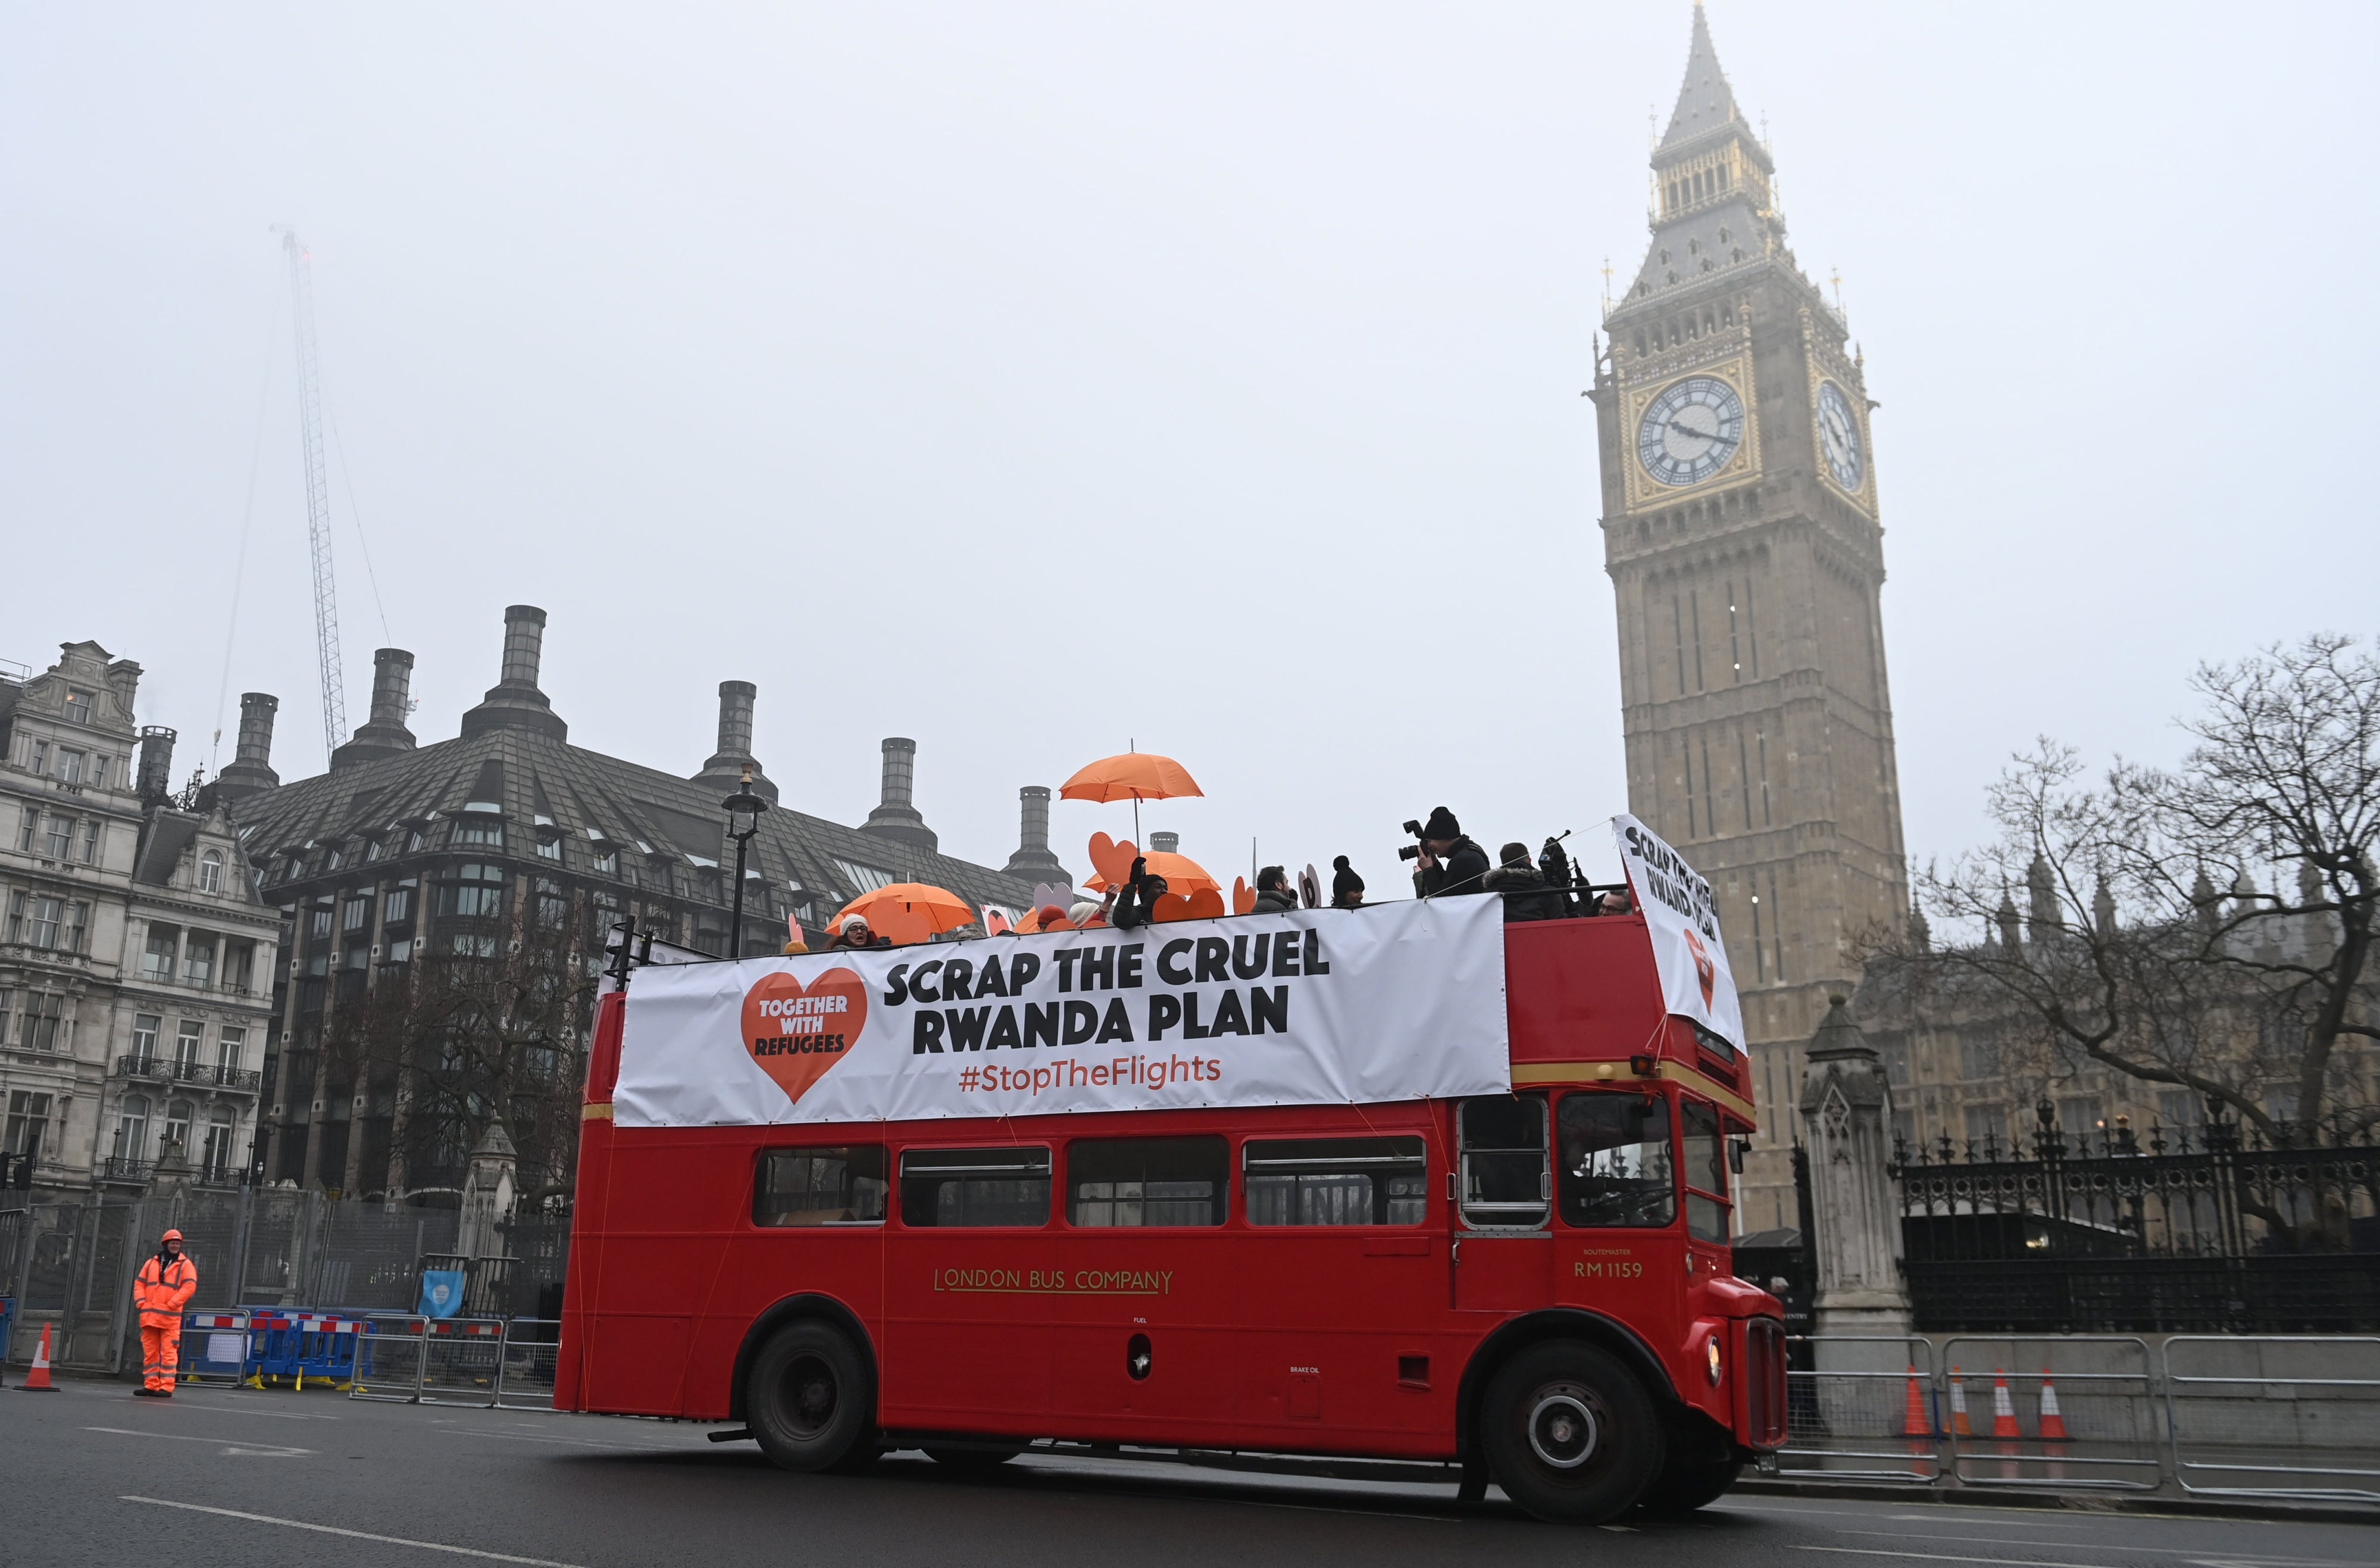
x: 744, y: 809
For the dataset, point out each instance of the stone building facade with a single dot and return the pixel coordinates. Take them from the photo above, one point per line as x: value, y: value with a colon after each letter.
x: 403, y: 853
x: 1742, y: 533
x: 137, y: 957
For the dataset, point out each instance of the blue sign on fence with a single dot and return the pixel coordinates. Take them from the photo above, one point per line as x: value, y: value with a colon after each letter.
x: 441, y: 1292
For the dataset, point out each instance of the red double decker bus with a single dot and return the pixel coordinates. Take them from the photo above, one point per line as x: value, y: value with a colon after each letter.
x: 1532, y: 1285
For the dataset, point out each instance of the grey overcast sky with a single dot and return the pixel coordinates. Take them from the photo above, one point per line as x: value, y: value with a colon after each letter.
x: 1034, y: 378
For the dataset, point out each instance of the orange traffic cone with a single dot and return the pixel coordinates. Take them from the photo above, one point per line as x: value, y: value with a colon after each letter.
x: 2003, y: 1408
x: 1960, y: 1425
x: 38, y: 1379
x: 2053, y: 1420
x: 1916, y: 1420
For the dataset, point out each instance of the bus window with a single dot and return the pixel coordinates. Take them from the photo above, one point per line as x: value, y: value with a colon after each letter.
x: 1615, y: 1161
x: 842, y: 1186
x: 1705, y: 1158
x: 975, y: 1186
x: 1376, y: 1181
x: 1505, y: 1182
x: 1147, y: 1181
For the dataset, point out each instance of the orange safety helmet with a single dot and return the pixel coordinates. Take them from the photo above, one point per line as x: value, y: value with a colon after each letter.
x: 169, y: 1235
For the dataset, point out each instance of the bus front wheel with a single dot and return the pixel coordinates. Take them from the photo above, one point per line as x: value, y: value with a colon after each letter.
x: 811, y: 1401
x: 1569, y: 1433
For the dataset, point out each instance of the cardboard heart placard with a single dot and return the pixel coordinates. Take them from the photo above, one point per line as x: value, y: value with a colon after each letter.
x: 1244, y: 897
x: 798, y: 1033
x: 1111, y: 860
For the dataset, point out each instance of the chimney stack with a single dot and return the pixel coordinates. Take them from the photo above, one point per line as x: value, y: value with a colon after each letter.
x: 515, y: 702
x: 156, y: 776
x: 386, y: 735
x: 1033, y: 862
x: 725, y: 768
x: 896, y: 817
x: 1165, y: 843
x: 252, y: 771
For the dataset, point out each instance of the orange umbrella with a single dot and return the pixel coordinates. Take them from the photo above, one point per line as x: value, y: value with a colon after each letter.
x: 907, y: 911
x: 1134, y: 776
x: 1112, y: 864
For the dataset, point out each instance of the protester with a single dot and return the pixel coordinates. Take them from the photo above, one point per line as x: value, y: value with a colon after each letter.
x: 161, y: 1289
x: 854, y: 933
x: 1274, y: 895
x: 1346, y: 887
x: 795, y: 948
x: 1523, y: 887
x: 1087, y: 915
x: 1448, y: 863
x: 1136, y: 905
x: 1616, y: 902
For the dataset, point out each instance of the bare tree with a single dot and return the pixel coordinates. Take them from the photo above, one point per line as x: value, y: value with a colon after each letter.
x: 493, y: 1030
x: 2208, y: 926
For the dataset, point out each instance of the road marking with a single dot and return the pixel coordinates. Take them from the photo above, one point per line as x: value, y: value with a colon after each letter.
x: 275, y: 1451
x: 1998, y: 1562
x: 351, y: 1535
x: 242, y: 1410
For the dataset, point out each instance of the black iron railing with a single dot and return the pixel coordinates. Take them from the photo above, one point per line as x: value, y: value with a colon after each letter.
x: 166, y: 1070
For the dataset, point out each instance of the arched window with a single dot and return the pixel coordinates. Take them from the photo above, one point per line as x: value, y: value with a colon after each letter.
x: 132, y: 1127
x: 211, y: 871
x: 177, y: 1122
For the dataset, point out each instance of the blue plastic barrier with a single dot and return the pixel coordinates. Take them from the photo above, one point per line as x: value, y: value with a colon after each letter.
x: 287, y: 1343
x: 8, y: 1323
x: 214, y: 1347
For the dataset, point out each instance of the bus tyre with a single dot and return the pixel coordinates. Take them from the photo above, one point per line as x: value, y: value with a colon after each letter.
x: 1686, y: 1486
x: 1571, y: 1434
x: 810, y: 1400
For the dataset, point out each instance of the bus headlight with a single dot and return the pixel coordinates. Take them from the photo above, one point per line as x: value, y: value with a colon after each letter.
x: 1716, y: 1361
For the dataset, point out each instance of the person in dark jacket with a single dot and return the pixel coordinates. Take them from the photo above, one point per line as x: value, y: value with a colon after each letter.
x: 1448, y: 863
x: 1346, y: 887
x: 1526, y: 895
x: 1274, y: 895
x: 1137, y: 905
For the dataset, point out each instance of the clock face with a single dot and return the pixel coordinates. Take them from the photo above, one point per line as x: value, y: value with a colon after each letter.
x: 1691, y: 431
x: 1839, y: 436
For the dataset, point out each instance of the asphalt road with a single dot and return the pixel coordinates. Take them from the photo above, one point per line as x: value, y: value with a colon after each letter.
x: 223, y: 1477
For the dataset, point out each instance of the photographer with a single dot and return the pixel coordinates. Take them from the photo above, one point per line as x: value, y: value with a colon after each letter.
x: 1445, y: 861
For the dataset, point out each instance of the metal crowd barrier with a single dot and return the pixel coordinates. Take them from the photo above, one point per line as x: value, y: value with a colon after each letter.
x: 1860, y: 1408
x: 2274, y: 1417
x: 2059, y: 1412
x: 214, y: 1348
x: 459, y: 1361
x: 390, y: 1354
x: 524, y: 1363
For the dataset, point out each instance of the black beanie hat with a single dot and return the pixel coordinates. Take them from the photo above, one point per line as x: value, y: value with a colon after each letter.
x: 1442, y: 825
x: 1342, y: 878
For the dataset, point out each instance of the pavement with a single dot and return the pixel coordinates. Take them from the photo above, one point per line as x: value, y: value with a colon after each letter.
x: 259, y: 1479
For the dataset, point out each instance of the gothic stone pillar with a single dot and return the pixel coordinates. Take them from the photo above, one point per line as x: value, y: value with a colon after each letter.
x: 1847, y: 1128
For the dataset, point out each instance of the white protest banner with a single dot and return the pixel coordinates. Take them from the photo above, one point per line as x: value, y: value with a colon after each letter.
x: 1683, y: 923
x: 1325, y: 1006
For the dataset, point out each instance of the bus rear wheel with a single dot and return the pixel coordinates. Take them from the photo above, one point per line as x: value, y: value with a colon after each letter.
x: 1569, y: 1433
x: 809, y: 1400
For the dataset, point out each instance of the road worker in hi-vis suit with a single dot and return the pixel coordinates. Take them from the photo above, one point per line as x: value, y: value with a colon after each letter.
x: 162, y: 1291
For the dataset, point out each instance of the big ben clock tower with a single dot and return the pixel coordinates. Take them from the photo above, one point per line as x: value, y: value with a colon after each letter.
x: 1740, y: 529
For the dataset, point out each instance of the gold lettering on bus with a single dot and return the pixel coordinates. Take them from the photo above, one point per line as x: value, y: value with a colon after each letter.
x: 1614, y: 1269
x: 1056, y: 1282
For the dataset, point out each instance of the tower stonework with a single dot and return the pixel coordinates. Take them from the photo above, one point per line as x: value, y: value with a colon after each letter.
x: 1742, y: 533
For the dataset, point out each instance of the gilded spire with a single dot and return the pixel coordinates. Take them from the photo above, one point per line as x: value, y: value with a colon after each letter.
x: 1704, y: 100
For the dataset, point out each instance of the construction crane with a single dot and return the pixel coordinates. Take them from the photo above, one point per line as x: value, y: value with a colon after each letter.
x: 317, y: 495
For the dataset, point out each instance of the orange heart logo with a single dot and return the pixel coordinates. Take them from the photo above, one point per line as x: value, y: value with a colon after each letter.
x: 797, y: 1033
x: 1111, y: 860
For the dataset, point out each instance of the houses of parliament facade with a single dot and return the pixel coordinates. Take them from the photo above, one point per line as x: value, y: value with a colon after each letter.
x: 1744, y: 537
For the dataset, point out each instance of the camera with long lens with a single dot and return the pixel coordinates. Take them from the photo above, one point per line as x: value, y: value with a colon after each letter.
x: 1411, y: 851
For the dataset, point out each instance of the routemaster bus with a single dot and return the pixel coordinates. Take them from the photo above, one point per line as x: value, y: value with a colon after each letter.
x: 1407, y: 1182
